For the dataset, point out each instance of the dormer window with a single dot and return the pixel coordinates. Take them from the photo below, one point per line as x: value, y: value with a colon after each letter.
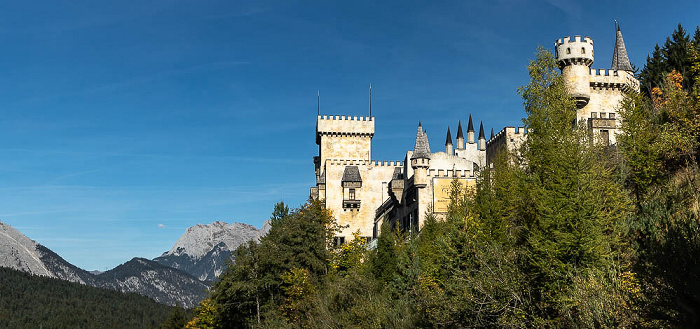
x: 351, y: 182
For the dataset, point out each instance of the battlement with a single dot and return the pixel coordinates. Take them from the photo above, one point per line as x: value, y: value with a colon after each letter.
x: 341, y: 125
x: 372, y: 163
x: 575, y: 39
x: 450, y: 173
x: 512, y: 132
x: 612, y: 79
x: 344, y: 118
x: 576, y: 51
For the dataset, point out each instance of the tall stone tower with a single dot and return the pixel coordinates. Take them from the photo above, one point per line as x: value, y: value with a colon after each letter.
x: 575, y: 58
x: 598, y: 92
x: 350, y: 184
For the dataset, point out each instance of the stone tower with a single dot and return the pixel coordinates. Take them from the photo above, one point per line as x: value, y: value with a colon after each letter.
x: 348, y: 182
x: 598, y: 92
x: 575, y: 58
x: 420, y: 160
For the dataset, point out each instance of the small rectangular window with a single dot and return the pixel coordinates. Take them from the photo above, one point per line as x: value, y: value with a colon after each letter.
x: 351, y: 194
x: 612, y: 115
x: 602, y: 115
x: 594, y: 115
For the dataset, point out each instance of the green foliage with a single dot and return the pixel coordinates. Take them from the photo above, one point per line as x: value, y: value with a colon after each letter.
x: 660, y: 145
x: 257, y: 286
x: 205, y: 317
x: 548, y: 237
x: 28, y: 301
x: 177, y: 320
x: 676, y: 54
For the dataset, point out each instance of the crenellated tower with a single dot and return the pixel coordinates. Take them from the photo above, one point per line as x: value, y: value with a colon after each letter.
x: 598, y: 92
x: 575, y: 57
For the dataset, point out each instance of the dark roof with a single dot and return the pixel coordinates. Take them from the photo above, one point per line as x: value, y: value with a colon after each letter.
x: 620, y: 60
x: 448, y: 141
x: 481, y: 131
x: 352, y: 174
x: 491, y: 133
x: 422, y: 148
x: 459, y: 130
x: 470, y: 126
x: 398, y: 173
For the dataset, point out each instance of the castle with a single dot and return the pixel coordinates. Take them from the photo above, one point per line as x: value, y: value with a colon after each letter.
x: 363, y: 193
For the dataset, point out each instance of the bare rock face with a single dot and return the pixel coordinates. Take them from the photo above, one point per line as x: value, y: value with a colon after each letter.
x: 204, y: 251
x: 20, y: 253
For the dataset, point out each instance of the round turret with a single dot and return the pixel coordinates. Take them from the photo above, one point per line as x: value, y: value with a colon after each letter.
x: 574, y: 57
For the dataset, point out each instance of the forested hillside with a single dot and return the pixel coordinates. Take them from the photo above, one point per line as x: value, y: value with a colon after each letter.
x: 28, y: 301
x: 570, y: 233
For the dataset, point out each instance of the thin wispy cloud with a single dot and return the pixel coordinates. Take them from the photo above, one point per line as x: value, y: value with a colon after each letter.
x: 161, y: 225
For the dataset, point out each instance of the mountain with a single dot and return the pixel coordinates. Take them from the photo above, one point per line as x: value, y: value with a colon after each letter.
x: 164, y: 284
x: 204, y: 250
x: 21, y: 253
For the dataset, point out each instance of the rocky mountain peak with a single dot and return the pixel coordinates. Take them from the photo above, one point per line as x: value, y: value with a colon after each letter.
x: 200, y: 239
x: 20, y: 252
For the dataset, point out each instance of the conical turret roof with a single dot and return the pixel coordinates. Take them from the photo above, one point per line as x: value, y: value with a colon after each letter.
x: 421, y: 150
x: 470, y: 126
x: 481, y: 131
x: 620, y: 60
x: 448, y: 141
x: 459, y: 130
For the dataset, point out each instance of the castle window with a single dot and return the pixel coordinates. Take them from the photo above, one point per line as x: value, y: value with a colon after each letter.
x: 351, y: 194
x: 605, y: 137
x: 612, y: 116
x: 602, y: 115
x: 583, y: 50
x: 594, y: 115
x: 568, y: 51
x: 339, y: 240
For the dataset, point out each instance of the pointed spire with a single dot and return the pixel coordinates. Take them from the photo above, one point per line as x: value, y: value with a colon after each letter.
x: 459, y: 130
x: 482, y: 139
x: 421, y: 149
x: 470, y: 126
x: 620, y: 60
x: 448, y: 141
x: 491, y: 134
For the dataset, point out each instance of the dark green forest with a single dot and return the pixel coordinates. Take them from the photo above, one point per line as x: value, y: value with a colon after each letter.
x: 28, y: 301
x: 567, y: 233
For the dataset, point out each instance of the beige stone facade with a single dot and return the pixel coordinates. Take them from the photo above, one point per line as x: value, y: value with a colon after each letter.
x: 363, y: 193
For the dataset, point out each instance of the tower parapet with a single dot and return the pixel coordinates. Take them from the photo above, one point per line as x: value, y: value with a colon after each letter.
x: 344, y: 137
x: 574, y: 57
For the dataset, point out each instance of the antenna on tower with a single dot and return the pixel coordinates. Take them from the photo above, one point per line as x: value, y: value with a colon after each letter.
x: 370, y: 100
x: 318, y: 102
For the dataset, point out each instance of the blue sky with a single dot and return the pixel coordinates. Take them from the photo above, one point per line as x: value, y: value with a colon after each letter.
x: 125, y: 122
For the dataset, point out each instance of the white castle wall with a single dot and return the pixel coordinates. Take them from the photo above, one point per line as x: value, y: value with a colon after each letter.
x: 375, y: 177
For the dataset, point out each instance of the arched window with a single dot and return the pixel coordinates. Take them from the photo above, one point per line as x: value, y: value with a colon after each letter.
x: 583, y: 50
x: 568, y: 51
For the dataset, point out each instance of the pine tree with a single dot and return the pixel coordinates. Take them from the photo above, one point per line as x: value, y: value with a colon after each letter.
x: 573, y: 204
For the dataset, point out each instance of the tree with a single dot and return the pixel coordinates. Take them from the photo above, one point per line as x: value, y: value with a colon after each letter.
x: 573, y: 206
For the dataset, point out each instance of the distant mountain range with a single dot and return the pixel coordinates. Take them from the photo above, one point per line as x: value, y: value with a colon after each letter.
x: 204, y: 249
x: 180, y: 276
